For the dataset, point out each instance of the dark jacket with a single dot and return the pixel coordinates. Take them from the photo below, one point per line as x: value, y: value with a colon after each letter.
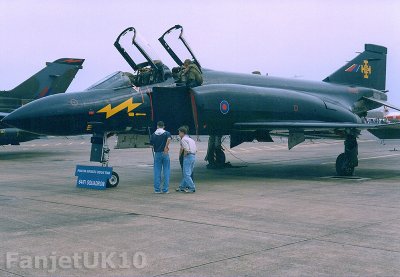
x: 159, y: 140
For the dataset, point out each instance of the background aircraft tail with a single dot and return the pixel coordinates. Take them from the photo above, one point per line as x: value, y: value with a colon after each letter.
x: 368, y: 69
x: 54, y: 78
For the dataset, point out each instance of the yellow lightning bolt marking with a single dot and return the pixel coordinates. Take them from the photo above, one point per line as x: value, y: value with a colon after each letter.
x: 112, y: 111
x: 366, y: 69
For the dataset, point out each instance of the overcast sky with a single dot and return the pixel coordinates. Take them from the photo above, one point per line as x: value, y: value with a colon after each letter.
x: 307, y: 39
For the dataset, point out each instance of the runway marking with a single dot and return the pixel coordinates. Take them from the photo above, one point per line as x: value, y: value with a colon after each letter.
x: 144, y: 165
x: 82, y: 142
x: 370, y: 158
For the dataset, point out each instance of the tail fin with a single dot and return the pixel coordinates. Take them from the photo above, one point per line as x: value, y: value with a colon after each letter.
x: 368, y: 69
x: 54, y: 78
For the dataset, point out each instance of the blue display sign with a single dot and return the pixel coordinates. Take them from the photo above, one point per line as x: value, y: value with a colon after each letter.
x: 92, y: 177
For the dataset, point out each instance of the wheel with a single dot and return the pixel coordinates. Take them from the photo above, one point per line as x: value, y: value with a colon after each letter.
x: 220, y: 156
x: 113, y: 181
x: 342, y: 166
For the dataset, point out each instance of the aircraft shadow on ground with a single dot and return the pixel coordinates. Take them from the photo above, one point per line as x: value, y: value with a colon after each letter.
x: 293, y: 172
x: 10, y: 156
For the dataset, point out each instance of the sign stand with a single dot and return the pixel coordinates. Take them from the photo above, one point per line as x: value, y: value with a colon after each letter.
x: 93, y: 177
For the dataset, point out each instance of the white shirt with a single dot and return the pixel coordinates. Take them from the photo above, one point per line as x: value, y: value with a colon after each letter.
x: 188, y: 144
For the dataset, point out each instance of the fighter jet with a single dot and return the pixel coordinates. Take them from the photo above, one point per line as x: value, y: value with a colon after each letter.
x: 244, y: 106
x: 53, y: 79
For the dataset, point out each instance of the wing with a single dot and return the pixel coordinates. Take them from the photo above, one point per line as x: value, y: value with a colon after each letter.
x: 298, y: 131
x: 303, y: 125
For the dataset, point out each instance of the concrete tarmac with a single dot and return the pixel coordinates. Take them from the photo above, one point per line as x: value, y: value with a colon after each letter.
x: 274, y: 213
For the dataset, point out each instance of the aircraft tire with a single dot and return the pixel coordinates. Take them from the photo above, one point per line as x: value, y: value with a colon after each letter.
x: 342, y: 166
x: 113, y: 181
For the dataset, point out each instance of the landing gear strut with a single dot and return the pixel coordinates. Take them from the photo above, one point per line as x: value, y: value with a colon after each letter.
x: 347, y: 161
x: 101, y: 153
x: 215, y: 153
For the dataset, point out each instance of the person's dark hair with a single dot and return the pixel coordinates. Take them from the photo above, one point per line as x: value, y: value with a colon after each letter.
x: 160, y: 124
x: 183, y: 130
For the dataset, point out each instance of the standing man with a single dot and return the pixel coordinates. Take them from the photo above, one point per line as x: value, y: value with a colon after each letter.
x: 181, y: 153
x: 189, y: 148
x: 160, y: 140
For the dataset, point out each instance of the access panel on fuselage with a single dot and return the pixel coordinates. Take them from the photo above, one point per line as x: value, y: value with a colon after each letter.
x: 173, y: 106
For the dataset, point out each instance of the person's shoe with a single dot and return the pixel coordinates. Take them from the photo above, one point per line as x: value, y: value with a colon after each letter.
x: 157, y: 192
x: 165, y: 192
x: 179, y: 190
x: 189, y: 191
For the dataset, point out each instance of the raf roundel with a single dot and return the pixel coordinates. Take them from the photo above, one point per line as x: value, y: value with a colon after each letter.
x: 224, y: 107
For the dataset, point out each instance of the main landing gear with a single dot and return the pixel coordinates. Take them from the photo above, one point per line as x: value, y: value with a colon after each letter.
x: 347, y: 161
x: 101, y: 153
x: 215, y: 153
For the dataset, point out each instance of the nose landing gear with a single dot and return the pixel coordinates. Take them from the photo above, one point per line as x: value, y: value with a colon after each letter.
x: 113, y: 181
x: 101, y: 153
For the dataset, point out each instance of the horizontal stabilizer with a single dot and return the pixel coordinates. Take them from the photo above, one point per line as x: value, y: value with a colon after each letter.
x: 384, y: 103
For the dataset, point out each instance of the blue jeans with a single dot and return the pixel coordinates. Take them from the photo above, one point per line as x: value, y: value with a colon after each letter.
x: 188, y: 166
x: 161, y: 162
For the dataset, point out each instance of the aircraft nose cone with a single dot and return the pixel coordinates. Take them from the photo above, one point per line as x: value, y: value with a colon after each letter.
x: 34, y: 117
x: 47, y: 116
x: 20, y: 118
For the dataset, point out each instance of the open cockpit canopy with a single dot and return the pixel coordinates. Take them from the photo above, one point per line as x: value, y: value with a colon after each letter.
x: 138, y: 53
x: 177, y: 47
